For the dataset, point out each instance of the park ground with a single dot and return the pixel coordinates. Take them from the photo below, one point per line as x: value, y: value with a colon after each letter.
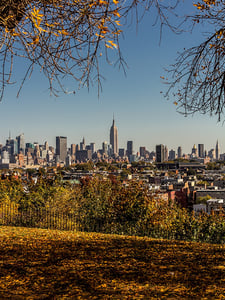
x: 51, y: 264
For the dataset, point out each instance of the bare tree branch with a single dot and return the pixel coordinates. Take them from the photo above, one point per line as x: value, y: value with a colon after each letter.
x: 198, y: 75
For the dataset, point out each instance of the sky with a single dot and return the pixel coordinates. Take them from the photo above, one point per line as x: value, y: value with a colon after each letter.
x: 141, y: 112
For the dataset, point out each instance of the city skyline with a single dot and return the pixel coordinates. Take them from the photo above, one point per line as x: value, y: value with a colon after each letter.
x: 200, y: 148
x: 141, y: 112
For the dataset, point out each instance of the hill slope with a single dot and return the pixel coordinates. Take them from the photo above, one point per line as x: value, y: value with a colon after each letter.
x: 47, y: 264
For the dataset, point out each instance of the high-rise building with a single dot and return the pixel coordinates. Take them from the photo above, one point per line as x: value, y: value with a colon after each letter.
x: 212, y: 153
x: 160, y: 152
x: 172, y: 154
x: 61, y: 147
x: 217, y: 151
x: 110, y: 150
x: 201, y: 150
x: 194, y: 151
x: 121, y: 152
x: 179, y: 152
x: 130, y: 150
x: 12, y: 146
x: 73, y: 149
x: 83, y: 155
x: 37, y: 152
x: 142, y: 151
x: 92, y: 147
x: 114, y: 138
x: 82, y: 144
x: 52, y: 149
x: 46, y: 146
x: 5, y: 157
x: 21, y: 143
x: 166, y: 153
x: 29, y: 145
x: 68, y: 160
x: 104, y: 148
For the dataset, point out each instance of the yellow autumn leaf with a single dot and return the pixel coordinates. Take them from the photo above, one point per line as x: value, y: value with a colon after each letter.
x: 117, y: 23
x: 116, y: 13
x: 102, y: 2
x: 100, y: 35
x: 63, y: 31
x: 15, y: 34
x: 117, y: 32
x: 49, y: 25
x: 35, y: 13
x: 108, y: 46
x: 35, y: 40
x: 112, y: 44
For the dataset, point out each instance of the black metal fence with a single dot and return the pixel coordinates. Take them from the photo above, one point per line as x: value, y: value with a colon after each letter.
x: 206, y: 230
x: 11, y: 215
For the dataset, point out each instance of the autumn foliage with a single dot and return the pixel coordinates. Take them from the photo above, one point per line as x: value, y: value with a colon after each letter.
x: 46, y: 264
x: 68, y: 38
x: 107, y: 206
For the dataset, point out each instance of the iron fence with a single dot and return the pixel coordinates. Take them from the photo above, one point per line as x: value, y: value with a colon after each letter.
x: 11, y: 215
x: 48, y: 218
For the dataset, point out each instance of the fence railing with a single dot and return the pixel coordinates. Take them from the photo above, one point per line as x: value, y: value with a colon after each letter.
x: 203, y: 230
x: 47, y: 218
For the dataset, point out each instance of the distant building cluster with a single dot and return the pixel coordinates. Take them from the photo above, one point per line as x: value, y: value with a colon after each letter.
x: 197, y: 153
x: 17, y: 153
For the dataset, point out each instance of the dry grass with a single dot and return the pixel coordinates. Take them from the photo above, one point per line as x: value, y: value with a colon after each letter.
x: 50, y: 264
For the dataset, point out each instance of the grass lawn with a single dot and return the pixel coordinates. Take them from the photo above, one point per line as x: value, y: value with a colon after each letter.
x: 51, y: 264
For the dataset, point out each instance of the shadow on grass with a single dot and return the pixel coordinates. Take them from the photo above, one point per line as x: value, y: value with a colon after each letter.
x: 95, y: 266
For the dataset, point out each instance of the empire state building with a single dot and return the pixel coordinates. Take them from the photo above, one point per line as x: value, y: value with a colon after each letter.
x: 114, y: 138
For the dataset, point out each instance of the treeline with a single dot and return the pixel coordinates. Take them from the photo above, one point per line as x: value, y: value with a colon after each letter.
x: 109, y: 206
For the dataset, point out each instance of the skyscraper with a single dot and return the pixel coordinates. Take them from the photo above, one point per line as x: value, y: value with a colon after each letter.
x: 201, y: 150
x: 217, y: 151
x: 166, y: 153
x: 172, y: 154
x: 179, y: 152
x: 46, y: 147
x: 21, y: 143
x: 130, y: 149
x: 104, y: 148
x: 160, y: 152
x: 121, y: 152
x: 82, y: 144
x: 92, y: 147
x: 73, y: 149
x: 194, y: 151
x: 114, y: 138
x: 61, y: 147
x: 12, y: 146
x: 142, y: 151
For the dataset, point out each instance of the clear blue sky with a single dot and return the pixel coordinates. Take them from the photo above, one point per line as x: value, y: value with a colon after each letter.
x: 141, y: 112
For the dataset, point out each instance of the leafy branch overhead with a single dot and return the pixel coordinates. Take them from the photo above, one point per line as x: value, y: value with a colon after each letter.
x: 66, y: 38
x: 61, y: 37
x: 69, y: 39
